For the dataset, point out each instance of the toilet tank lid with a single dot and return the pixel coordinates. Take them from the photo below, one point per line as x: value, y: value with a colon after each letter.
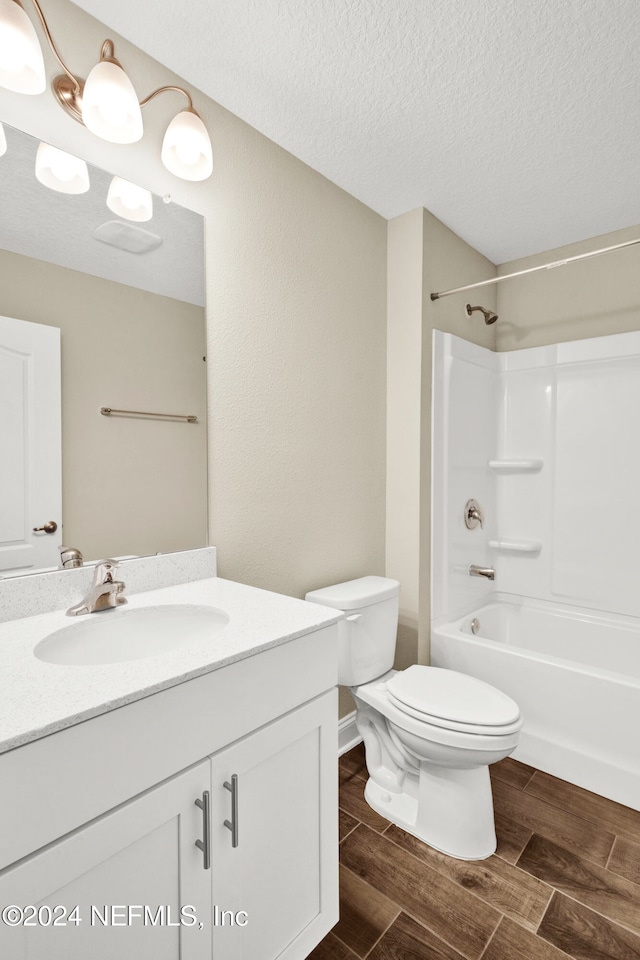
x: 356, y: 593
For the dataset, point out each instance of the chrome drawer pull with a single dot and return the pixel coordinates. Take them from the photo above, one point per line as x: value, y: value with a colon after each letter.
x: 233, y: 823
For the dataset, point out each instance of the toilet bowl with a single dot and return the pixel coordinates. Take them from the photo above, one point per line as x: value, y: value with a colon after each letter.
x: 429, y: 733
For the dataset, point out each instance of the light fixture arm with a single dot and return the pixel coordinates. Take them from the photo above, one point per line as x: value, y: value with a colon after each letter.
x: 155, y: 93
x: 108, y: 52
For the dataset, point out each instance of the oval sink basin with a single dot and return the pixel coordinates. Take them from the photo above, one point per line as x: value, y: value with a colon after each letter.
x: 116, y: 636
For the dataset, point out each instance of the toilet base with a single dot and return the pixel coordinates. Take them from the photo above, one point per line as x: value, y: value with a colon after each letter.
x: 453, y: 812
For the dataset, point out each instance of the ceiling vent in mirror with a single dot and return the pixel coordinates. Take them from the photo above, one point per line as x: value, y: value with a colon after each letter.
x: 126, y: 236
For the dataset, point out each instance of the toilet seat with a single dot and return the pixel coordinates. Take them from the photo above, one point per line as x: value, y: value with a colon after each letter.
x: 468, y: 737
x: 453, y: 701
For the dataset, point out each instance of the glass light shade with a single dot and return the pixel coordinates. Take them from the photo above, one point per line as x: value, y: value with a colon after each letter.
x: 186, y: 148
x: 61, y: 171
x: 110, y: 108
x: 21, y: 63
x: 3, y: 142
x: 130, y: 201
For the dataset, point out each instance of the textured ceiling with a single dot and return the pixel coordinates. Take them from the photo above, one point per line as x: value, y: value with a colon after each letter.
x: 516, y: 122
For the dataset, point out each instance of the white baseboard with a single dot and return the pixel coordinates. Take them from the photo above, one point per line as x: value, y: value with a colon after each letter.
x: 348, y: 735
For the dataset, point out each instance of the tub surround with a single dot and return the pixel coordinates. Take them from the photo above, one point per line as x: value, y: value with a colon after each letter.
x: 542, y: 438
x: 42, y: 698
x: 536, y: 436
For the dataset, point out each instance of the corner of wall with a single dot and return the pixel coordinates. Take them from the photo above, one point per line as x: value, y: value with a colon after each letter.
x: 423, y: 256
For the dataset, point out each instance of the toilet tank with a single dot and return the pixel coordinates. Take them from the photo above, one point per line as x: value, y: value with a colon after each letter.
x: 367, y: 637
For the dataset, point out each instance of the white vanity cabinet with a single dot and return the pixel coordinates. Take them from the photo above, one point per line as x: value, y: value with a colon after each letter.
x: 89, y: 890
x: 281, y: 873
x: 103, y: 815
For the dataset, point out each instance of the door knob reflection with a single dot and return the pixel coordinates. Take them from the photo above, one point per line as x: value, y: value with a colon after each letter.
x: 50, y: 527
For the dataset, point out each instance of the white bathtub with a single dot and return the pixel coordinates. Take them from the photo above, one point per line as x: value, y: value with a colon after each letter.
x: 575, y: 675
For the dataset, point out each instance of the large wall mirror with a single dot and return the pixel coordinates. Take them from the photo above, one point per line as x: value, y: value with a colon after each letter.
x: 128, y: 300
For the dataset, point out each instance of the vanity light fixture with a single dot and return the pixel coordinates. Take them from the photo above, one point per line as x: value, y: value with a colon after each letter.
x: 61, y: 171
x: 110, y: 107
x: 106, y: 103
x: 129, y: 201
x: 21, y: 63
x: 182, y: 150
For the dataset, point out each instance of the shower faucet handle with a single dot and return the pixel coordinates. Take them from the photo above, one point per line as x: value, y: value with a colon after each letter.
x: 473, y: 516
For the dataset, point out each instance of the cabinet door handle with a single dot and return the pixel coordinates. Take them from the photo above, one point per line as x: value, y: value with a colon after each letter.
x: 205, y: 843
x: 233, y: 823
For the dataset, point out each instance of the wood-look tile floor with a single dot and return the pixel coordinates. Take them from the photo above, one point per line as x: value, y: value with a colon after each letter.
x: 563, y: 883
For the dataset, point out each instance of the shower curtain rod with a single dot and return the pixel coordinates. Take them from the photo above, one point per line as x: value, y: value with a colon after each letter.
x: 543, y: 266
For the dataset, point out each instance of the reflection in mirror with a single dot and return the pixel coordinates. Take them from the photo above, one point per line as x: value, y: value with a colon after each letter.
x: 128, y: 301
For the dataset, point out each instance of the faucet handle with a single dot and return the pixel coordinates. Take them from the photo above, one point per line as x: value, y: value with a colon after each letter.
x: 70, y: 557
x: 105, y: 571
x: 473, y: 515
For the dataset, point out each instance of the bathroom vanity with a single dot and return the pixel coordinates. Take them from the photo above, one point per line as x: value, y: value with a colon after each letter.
x: 178, y: 806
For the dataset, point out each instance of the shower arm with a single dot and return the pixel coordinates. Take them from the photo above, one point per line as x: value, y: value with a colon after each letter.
x: 543, y: 266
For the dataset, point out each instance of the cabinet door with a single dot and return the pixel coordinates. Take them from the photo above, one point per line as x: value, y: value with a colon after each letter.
x: 276, y: 893
x: 142, y: 854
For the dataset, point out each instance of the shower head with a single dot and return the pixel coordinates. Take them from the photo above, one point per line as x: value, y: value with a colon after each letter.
x: 489, y: 315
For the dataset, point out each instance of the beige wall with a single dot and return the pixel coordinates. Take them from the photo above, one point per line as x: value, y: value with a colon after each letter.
x: 296, y: 275
x: 423, y: 256
x: 124, y: 348
x: 405, y: 255
x: 590, y: 298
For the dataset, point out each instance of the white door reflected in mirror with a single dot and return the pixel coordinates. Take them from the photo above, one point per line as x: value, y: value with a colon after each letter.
x: 30, y: 441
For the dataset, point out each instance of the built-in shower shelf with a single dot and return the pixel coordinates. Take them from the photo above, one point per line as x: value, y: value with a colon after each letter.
x: 531, y: 465
x: 516, y: 546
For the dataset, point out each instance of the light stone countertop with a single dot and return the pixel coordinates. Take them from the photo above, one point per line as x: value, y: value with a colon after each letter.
x: 38, y: 698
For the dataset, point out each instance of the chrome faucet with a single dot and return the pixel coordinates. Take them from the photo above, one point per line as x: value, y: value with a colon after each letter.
x: 105, y: 592
x: 476, y: 571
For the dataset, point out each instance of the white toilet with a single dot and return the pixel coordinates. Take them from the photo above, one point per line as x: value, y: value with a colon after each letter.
x: 429, y: 734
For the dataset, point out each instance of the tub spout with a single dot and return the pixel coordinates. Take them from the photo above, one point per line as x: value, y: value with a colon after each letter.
x: 476, y: 571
